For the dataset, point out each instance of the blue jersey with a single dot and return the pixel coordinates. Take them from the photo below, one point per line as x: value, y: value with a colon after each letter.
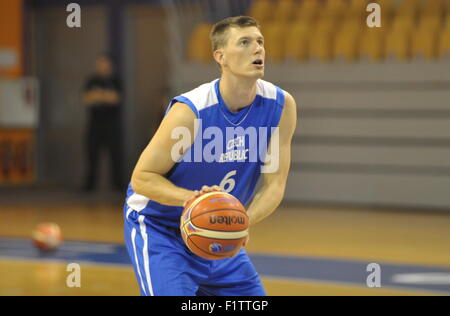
x: 228, y: 150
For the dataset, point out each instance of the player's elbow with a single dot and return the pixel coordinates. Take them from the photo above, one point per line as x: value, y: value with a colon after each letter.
x: 136, y: 185
x: 141, y: 183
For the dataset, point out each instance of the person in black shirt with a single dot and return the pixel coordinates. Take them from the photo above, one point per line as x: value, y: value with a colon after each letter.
x: 102, y: 97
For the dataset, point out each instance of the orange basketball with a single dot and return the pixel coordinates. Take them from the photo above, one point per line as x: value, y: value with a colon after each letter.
x: 47, y: 236
x: 214, y: 226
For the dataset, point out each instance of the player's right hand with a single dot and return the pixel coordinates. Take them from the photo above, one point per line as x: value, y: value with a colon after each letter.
x: 205, y: 189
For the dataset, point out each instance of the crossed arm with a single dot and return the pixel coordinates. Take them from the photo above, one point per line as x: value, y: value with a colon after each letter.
x: 104, y: 96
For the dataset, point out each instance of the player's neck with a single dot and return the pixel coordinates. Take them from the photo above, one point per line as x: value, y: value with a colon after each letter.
x: 236, y: 92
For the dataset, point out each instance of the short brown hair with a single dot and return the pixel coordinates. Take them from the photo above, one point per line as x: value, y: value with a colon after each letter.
x: 219, y: 31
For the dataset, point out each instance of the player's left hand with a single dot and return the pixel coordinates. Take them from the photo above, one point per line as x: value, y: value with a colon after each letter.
x: 205, y: 189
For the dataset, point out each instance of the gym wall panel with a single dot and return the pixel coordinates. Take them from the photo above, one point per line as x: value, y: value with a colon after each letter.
x: 65, y: 58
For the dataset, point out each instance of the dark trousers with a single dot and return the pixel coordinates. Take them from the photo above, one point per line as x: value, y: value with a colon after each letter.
x: 104, y: 134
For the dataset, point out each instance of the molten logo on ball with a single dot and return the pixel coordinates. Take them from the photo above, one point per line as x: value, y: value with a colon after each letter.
x: 228, y: 220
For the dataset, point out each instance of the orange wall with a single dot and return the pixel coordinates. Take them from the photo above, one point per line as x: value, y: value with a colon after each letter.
x: 11, y: 28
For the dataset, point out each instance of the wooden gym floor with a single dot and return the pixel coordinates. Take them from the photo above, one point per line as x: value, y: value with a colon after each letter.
x: 299, y: 250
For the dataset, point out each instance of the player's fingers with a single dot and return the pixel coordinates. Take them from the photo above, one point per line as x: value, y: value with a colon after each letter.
x: 206, y: 188
x: 194, y: 195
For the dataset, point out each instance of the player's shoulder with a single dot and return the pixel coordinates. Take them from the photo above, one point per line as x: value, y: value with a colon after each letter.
x: 270, y: 91
x: 202, y: 96
x: 289, y: 99
x: 289, y: 112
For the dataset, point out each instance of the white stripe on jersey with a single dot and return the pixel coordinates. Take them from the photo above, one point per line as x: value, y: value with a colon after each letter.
x: 133, y: 240
x: 205, y: 95
x: 266, y: 89
x: 145, y: 253
x: 137, y: 202
x: 128, y: 213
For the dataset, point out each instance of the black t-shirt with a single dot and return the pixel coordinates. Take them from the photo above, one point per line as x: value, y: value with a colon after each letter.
x: 101, y: 112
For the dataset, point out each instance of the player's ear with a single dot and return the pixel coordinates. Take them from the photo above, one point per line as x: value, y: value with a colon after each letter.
x: 219, y: 56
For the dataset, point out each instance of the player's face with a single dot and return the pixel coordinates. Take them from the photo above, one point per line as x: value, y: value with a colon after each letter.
x: 104, y: 66
x: 244, y: 53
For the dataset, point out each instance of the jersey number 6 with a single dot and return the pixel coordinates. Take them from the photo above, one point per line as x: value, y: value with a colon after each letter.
x: 228, y: 182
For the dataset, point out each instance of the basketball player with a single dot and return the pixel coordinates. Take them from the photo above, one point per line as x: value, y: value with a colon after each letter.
x: 161, y: 185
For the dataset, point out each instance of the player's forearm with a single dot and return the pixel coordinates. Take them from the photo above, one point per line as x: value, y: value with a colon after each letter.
x: 266, y: 201
x: 111, y: 97
x: 92, y: 97
x: 89, y: 98
x: 159, y: 189
x: 101, y: 96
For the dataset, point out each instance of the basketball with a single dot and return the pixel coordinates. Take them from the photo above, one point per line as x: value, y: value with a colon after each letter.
x: 214, y: 226
x: 47, y: 236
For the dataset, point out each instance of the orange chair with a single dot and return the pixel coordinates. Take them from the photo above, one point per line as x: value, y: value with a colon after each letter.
x: 426, y: 37
x: 275, y: 34
x: 321, y: 43
x: 199, y: 46
x: 308, y: 11
x: 425, y: 43
x: 398, y: 44
x: 444, y: 43
x: 388, y: 6
x: 408, y: 8
x: 372, y: 44
x: 432, y: 22
x: 399, y: 36
x: 335, y: 9
x: 347, y: 39
x: 285, y: 10
x: 403, y: 23
x: 262, y: 10
x: 337, y: 6
x: 433, y: 7
x: 388, y: 10
x: 297, y: 42
x: 357, y: 9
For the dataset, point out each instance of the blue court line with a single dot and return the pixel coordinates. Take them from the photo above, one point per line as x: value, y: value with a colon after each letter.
x: 328, y: 270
